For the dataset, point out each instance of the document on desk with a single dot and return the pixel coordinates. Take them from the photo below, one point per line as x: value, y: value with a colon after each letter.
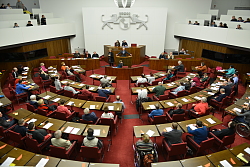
x: 24, y: 76
x: 32, y: 120
x: 150, y: 133
x: 42, y: 162
x: 93, y: 76
x: 47, y: 126
x: 56, y: 100
x: 111, y: 107
x: 152, y: 106
x: 247, y: 150
x: 170, y: 104
x: 91, y: 88
x: 168, y: 129
x: 97, y: 132
x: 68, y: 129
x: 210, y: 93
x: 237, y: 109
x: 1, y: 104
x: 196, y: 97
x: 225, y: 163
x: 210, y: 121
x: 70, y: 103
x: 8, y: 161
x: 75, y: 131
x: 192, y: 127
x: 109, y: 78
x: 92, y: 107
x: 169, y: 84
x: 81, y: 84
x: 184, y: 99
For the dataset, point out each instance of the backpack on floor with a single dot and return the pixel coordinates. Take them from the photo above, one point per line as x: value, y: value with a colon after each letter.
x: 147, y: 160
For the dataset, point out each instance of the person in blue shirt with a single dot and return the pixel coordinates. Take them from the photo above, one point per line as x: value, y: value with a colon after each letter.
x: 168, y: 76
x: 89, y: 116
x: 200, y: 134
x: 21, y: 88
x: 156, y: 112
x: 103, y: 92
x: 120, y: 64
x: 235, y: 78
x: 230, y: 71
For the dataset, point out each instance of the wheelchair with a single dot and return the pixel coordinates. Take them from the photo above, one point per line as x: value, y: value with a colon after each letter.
x: 141, y: 152
x: 243, y: 129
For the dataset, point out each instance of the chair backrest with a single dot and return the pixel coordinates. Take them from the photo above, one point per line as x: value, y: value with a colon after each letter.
x: 61, y: 116
x: 52, y: 89
x: 154, y: 83
x: 86, y: 122
x: 153, y: 57
x: 14, y: 136
x: 68, y: 93
x: 172, y: 79
x: 228, y: 140
x: 100, y: 99
x: 178, y: 117
x: 31, y: 143
x: 42, y: 112
x: 89, y: 152
x: 163, y: 97
x: 59, y: 152
x: 159, y: 119
x: 106, y: 121
x: 82, y: 97
x: 181, y: 93
x: 2, y: 131
x: 30, y: 107
x: 207, y: 144
x: 192, y: 90
x: 145, y: 84
x: 225, y: 100
x: 178, y: 149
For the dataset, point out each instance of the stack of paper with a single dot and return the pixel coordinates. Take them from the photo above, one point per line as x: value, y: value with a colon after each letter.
x: 191, y: 74
x: 225, y: 163
x: 184, y: 99
x: 81, y: 84
x: 169, y: 129
x: 47, y: 126
x: 93, y: 76
x: 91, y: 88
x: 107, y: 89
x: 24, y: 76
x: 47, y: 97
x: 169, y: 84
x: 108, y: 77
x: 150, y: 133
x: 70, y: 103
x: 210, y: 121
x: 170, y: 104
x: 8, y: 161
x: 198, y: 98
x: 56, y: 100
x: 1, y: 104
x: 237, y: 109
x: 162, y: 74
x: 92, y: 107
x: 210, y: 93
x: 50, y: 71
x: 75, y: 131
x: 247, y: 150
x: 97, y: 132
x: 192, y: 127
x: 68, y: 129
x: 42, y: 162
x: 32, y: 120
x: 111, y: 107
x: 152, y: 106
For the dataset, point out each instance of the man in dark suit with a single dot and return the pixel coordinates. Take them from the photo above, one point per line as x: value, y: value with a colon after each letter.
x: 87, y: 55
x: 173, y: 136
x: 221, y: 96
x: 162, y: 56
x: 76, y: 54
x: 15, y: 73
x: 226, y: 87
x: 220, y: 133
x: 5, y: 122
x: 95, y: 55
x: 20, y: 128
x: 124, y: 43
x: 179, y: 68
x: 177, y: 111
x: 123, y: 53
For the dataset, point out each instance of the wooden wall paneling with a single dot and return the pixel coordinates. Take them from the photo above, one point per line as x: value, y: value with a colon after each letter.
x: 123, y: 73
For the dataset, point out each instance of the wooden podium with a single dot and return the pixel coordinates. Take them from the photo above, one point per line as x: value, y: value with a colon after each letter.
x: 138, y: 54
x: 127, y: 61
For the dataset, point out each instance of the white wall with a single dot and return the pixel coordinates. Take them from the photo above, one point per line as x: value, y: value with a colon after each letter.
x: 28, y: 3
x: 178, y: 10
x: 224, y: 5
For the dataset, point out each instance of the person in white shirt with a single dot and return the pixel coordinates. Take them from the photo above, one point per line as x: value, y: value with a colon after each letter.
x: 142, y: 93
x: 57, y: 83
x: 106, y: 113
x: 151, y: 78
x: 8, y: 6
x: 105, y: 81
x: 59, y: 142
x: 68, y: 88
x: 141, y: 79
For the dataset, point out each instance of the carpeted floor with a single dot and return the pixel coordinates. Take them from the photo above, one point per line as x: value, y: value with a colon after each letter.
x: 121, y: 151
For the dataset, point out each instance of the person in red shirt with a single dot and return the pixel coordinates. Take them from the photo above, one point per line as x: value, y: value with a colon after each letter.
x: 200, y: 108
x: 63, y: 109
x: 43, y: 106
x: 86, y: 92
x: 197, y: 81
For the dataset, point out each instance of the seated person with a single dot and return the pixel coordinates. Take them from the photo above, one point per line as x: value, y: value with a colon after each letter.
x: 200, y: 108
x: 144, y: 144
x: 120, y: 65
x: 168, y: 76
x: 91, y: 141
x: 179, y: 88
x: 77, y: 54
x: 156, y: 112
x: 63, y: 109
x: 220, y: 133
x: 33, y: 101
x: 124, y: 43
x: 247, y: 21
x: 230, y: 71
x: 44, y: 76
x: 170, y: 56
x: 118, y: 100
x: 220, y: 25
x: 38, y: 134
x: 89, y: 116
x: 70, y: 72
x: 235, y: 78
x: 199, y: 134
x: 21, y: 88
x: 183, y: 51
x: 196, y: 81
x: 178, y: 110
x: 221, y: 96
x: 240, y: 19
x: 233, y: 18
x: 21, y: 128
x: 117, y: 43
x: 244, y: 115
x: 141, y: 79
x: 103, y: 92
x: 204, y: 78
x: 5, y: 122
x: 201, y: 69
x: 86, y: 92
x: 142, y: 93
x: 230, y: 82
x: 16, y: 25
x: 226, y: 87
x: 14, y: 73
x: 173, y: 136
x: 95, y: 55
x: 106, y: 113
x: 43, y: 67
x: 151, y: 78
x: 69, y: 88
x: 43, y: 106
x: 59, y: 142
x: 187, y: 84
x: 20, y: 69
x: 87, y: 55
x: 179, y: 68
x: 63, y: 67
x: 225, y: 25
x: 189, y: 22
x: 29, y: 24
x: 58, y: 83
x: 239, y: 27
x: 196, y: 23
x: 213, y: 24
x: 162, y: 56
x: 159, y: 90
x: 105, y: 81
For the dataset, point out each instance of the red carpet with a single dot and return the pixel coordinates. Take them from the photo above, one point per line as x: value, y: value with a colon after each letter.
x: 121, y: 151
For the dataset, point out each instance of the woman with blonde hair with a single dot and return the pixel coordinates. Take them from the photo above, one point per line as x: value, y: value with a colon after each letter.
x: 43, y: 67
x: 144, y: 143
x: 63, y: 67
x: 43, y: 106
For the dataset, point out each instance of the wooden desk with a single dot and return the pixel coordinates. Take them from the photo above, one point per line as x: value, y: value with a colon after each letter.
x: 117, y: 106
x: 123, y: 73
x: 64, y: 98
x: 205, y: 92
x: 98, y: 105
x: 190, y: 100
x: 197, y: 96
x: 197, y: 161
x: 20, y: 113
x: 4, y: 100
x: 134, y: 90
x: 167, y: 86
x: 146, y: 106
x: 208, y: 124
x: 165, y: 164
x: 77, y: 102
x: 57, y: 124
x: 75, y: 125
x: 160, y: 74
x: 5, y: 148
x: 127, y: 61
x: 215, y: 158
x: 48, y: 95
x: 134, y: 78
x: 241, y: 102
x: 52, y: 160
x: 23, y: 155
x: 230, y: 109
x: 79, y: 69
x: 67, y: 163
x: 156, y: 64
x: 183, y: 124
x: 104, y: 129
x: 99, y: 77
x: 35, y: 86
x: 73, y: 84
x: 138, y: 130
x: 39, y: 118
x: 239, y: 149
x: 170, y: 103
x: 245, y: 97
x: 161, y: 127
x: 103, y: 165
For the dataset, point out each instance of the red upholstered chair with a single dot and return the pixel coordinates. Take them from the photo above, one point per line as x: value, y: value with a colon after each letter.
x: 205, y: 84
x: 112, y: 122
x: 158, y: 119
x: 146, y: 58
x: 34, y: 146
x: 175, y: 117
x: 133, y: 45
x: 192, y: 90
x: 200, y: 149
x: 139, y: 84
x: 101, y: 57
x: 3, y: 132
x: 179, y: 94
x: 160, y: 98
x: 220, y: 105
x: 154, y: 83
x: 19, y: 96
x: 194, y: 115
x: 181, y: 74
x: 61, y: 152
x: 52, y: 57
x: 71, y: 77
x: 91, y: 153
x: 222, y: 143
x: 86, y: 122
x: 45, y: 83
x: 69, y: 94
x: 62, y: 116
x: 11, y: 79
x: 231, y: 98
x: 53, y: 90
x: 16, y: 138
x: 171, y: 80
x: 102, y: 99
x: 31, y: 108
x: 44, y: 113
x: 179, y: 149
x: 153, y: 57
x: 82, y: 97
